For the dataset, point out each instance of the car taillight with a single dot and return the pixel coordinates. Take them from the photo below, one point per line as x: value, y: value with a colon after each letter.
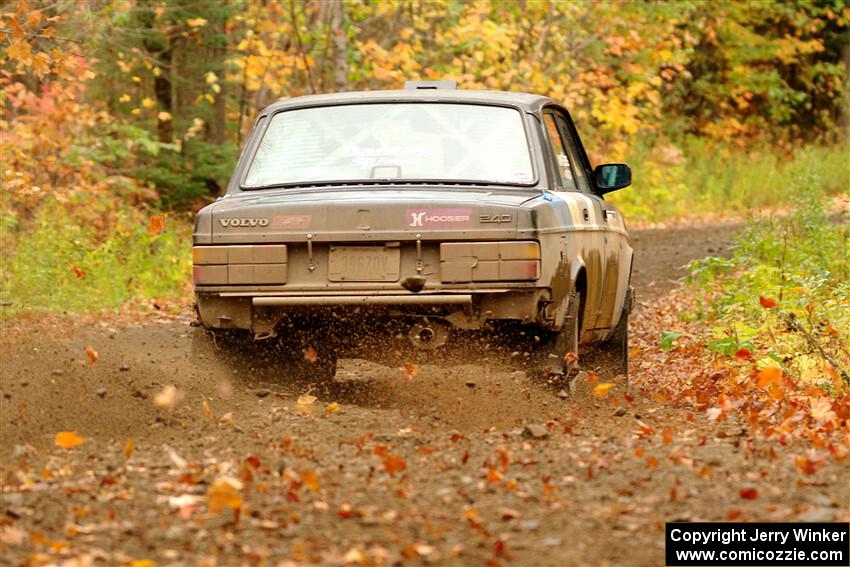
x: 239, y: 265
x: 489, y: 261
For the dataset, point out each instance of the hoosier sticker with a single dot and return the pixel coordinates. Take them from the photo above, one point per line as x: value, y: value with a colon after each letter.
x: 434, y: 218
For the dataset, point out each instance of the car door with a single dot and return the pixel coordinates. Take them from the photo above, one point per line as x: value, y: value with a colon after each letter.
x: 611, y: 227
x: 572, y: 179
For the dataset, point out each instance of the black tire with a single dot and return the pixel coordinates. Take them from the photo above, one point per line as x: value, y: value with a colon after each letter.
x: 557, y: 357
x: 616, y: 348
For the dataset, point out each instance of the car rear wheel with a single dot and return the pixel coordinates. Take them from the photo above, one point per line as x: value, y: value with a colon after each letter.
x: 616, y: 348
x: 557, y: 357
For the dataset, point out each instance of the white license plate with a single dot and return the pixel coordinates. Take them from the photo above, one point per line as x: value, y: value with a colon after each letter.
x: 363, y: 264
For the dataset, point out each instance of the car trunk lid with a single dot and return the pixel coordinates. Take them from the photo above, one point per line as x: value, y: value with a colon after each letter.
x: 346, y: 214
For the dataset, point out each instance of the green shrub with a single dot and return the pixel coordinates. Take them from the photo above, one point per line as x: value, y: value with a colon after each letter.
x: 63, y: 262
x: 197, y: 172
x: 785, y: 293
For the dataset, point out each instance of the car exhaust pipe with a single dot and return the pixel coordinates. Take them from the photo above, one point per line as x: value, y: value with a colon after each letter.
x: 429, y: 334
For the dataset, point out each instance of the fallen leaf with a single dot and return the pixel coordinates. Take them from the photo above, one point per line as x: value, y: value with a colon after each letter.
x: 156, y: 223
x: 409, y: 370
x: 142, y: 563
x: 331, y: 408
x: 355, y: 555
x: 744, y: 354
x: 224, y: 493
x: 667, y: 435
x: 394, y: 464
x: 310, y: 354
x: 423, y: 549
x: 10, y: 535
x: 306, y: 400
x: 806, y: 465
x: 602, y: 389
x: 767, y: 302
x: 166, y: 398
x: 128, y: 448
x: 822, y: 410
x: 205, y: 409
x: 748, y: 493
x: 310, y: 480
x: 178, y: 461
x: 570, y: 357
x: 78, y: 271
x: 768, y: 376
x: 91, y: 355
x: 69, y: 439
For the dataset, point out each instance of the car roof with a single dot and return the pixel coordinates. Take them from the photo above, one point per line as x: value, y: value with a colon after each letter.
x: 524, y: 101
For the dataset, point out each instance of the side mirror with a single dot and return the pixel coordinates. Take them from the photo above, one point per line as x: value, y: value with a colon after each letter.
x: 611, y: 176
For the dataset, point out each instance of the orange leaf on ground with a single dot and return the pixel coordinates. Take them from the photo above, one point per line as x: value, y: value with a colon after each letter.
x: 128, y: 448
x: 166, y: 398
x: 78, y: 271
x: 744, y: 354
x: 310, y: 354
x: 69, y: 439
x: 205, y: 409
x: 768, y: 376
x: 331, y: 408
x: 602, y: 389
x: 767, y: 302
x: 310, y: 480
x: 91, y: 354
x: 806, y: 465
x: 394, y: 464
x: 224, y: 493
x: 409, y: 370
x: 748, y: 493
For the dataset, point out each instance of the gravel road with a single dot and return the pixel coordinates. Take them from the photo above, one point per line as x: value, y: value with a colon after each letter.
x: 466, y: 463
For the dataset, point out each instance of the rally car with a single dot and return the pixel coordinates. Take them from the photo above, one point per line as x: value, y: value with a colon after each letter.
x: 431, y: 207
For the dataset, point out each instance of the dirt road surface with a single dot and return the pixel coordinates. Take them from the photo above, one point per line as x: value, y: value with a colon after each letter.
x: 466, y: 463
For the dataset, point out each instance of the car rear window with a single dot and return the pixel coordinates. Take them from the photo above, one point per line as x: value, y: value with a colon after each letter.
x: 405, y: 141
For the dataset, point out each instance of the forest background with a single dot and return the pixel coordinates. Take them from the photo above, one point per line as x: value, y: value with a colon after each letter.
x: 120, y: 119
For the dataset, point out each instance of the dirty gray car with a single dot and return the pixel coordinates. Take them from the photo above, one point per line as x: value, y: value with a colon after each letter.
x: 430, y: 208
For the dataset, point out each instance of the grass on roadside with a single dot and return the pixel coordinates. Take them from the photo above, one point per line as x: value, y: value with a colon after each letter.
x: 711, y: 179
x: 783, y: 298
x: 70, y: 262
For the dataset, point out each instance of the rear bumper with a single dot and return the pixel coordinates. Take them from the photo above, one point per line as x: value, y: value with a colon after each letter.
x: 261, y: 312
x: 286, y: 301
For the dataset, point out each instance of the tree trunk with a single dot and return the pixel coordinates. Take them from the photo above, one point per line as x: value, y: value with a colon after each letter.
x: 844, y: 119
x: 162, y: 91
x: 218, y: 125
x: 340, y: 40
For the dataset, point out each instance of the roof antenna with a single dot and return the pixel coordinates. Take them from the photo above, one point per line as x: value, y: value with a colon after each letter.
x: 447, y: 85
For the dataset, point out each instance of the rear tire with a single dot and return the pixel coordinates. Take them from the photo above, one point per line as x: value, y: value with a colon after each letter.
x: 616, y: 348
x: 557, y: 358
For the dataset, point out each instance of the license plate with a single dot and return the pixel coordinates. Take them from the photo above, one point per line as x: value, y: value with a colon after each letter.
x: 363, y: 264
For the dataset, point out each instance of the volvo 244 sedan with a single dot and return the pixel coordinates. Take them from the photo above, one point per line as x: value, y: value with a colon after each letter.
x: 435, y: 208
